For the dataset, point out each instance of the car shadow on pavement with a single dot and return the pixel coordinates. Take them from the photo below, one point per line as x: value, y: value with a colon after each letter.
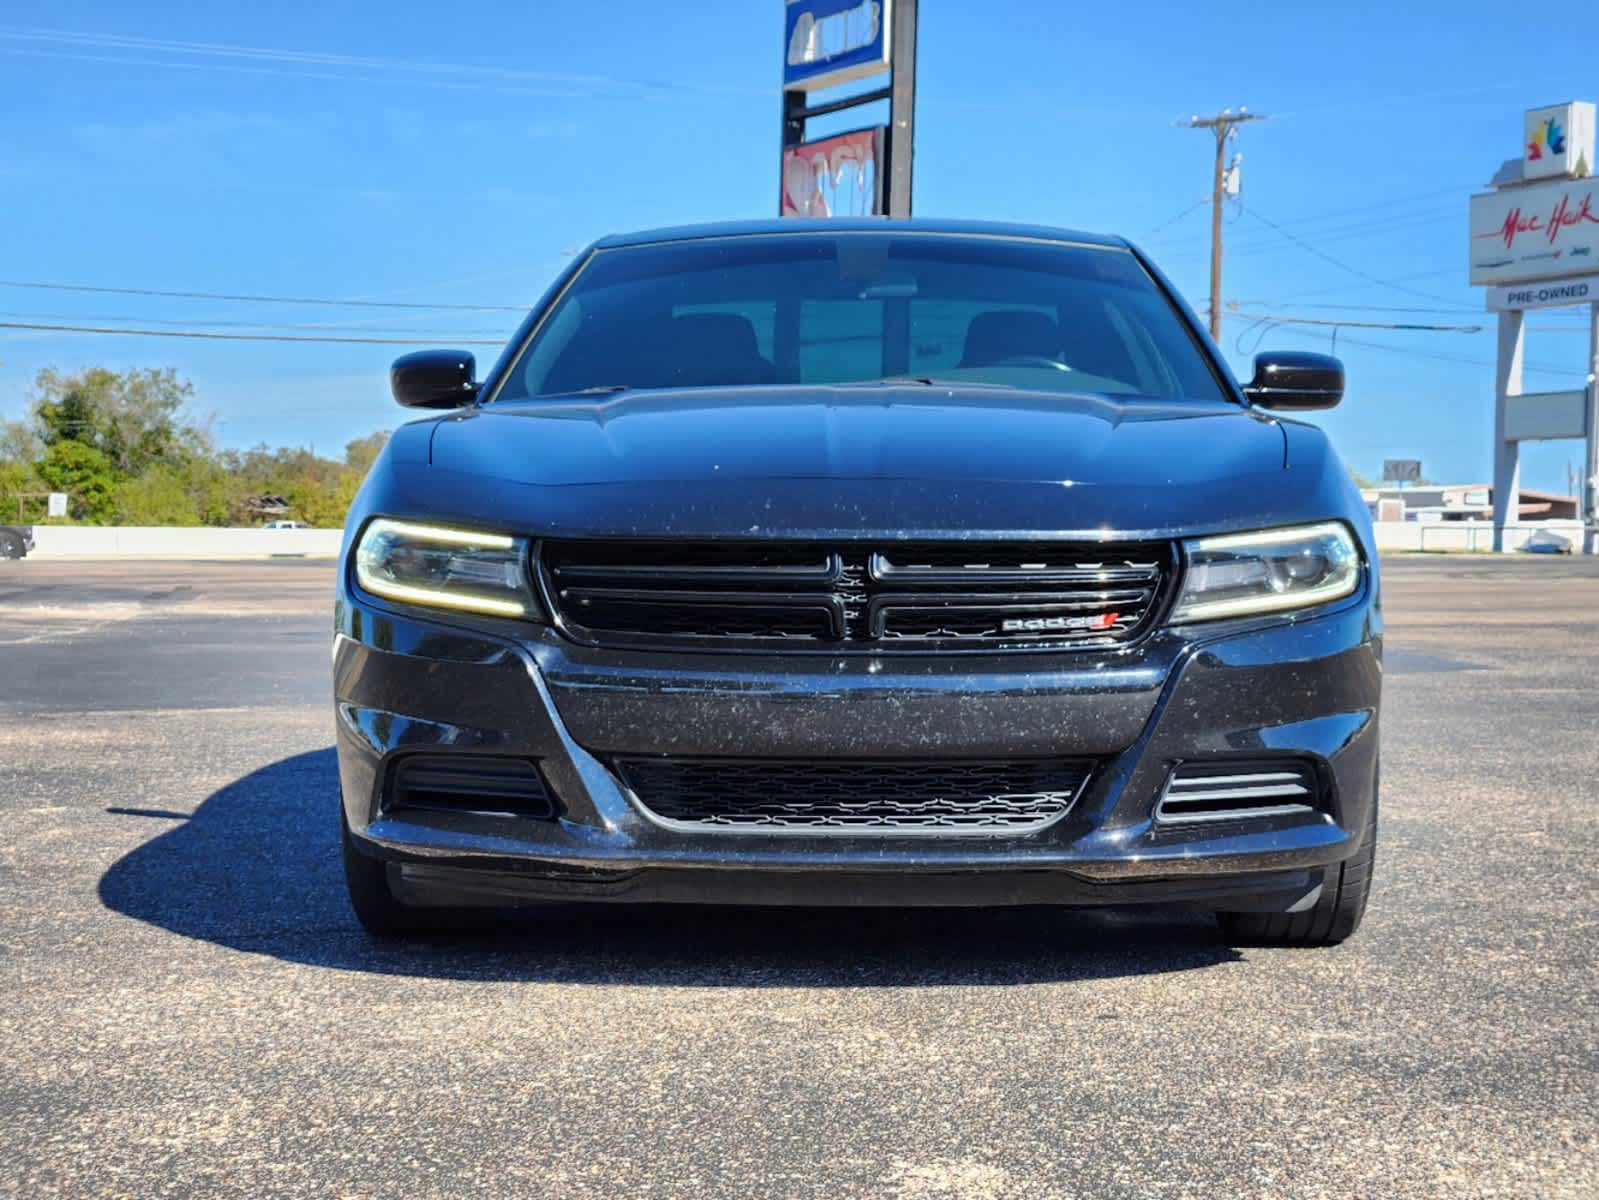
x: 256, y: 868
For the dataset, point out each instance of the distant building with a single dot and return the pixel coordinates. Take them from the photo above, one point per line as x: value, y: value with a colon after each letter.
x: 267, y: 507
x: 1431, y: 503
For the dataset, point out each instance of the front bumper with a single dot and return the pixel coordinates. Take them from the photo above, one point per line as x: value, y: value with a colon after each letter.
x: 407, y: 682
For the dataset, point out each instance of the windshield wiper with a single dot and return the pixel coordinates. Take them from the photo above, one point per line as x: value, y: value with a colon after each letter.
x: 603, y: 389
x: 892, y: 381
x: 931, y: 381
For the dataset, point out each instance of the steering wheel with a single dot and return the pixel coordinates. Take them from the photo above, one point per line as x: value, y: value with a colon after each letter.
x: 1030, y: 360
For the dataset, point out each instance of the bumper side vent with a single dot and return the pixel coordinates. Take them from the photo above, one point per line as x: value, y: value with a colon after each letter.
x: 469, y: 783
x: 1234, y: 791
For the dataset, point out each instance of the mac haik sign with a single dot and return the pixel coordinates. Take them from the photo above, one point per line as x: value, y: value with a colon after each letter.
x: 1541, y: 231
x: 829, y: 42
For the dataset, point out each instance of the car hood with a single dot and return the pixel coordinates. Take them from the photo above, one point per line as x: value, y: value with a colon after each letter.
x: 858, y: 433
x: 878, y: 459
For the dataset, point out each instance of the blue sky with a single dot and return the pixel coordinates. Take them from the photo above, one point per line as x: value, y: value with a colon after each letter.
x: 403, y: 152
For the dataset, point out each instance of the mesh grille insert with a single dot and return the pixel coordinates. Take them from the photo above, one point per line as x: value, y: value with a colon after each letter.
x: 856, y: 797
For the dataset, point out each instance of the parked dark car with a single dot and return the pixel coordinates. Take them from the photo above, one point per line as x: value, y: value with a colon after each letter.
x: 862, y: 563
x: 16, y: 541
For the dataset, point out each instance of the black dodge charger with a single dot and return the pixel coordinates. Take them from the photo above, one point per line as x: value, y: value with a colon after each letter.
x: 861, y: 563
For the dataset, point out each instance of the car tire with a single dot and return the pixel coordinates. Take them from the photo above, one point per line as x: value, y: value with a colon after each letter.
x: 11, y: 546
x: 1335, y: 915
x: 374, y: 902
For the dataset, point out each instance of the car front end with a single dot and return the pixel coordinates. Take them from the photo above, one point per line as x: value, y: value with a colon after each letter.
x: 840, y: 645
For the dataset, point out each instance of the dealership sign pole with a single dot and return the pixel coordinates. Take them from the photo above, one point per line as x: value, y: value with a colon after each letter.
x: 1535, y: 244
x: 864, y: 172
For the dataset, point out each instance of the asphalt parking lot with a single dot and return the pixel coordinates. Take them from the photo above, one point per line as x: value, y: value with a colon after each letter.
x: 189, y: 1009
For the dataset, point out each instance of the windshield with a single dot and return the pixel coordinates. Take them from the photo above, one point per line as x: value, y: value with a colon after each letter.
x: 860, y: 308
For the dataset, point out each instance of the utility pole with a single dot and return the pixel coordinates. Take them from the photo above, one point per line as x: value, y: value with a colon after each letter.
x: 902, y: 110
x: 1222, y: 125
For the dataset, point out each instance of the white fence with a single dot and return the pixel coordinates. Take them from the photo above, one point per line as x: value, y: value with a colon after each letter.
x: 1466, y: 535
x: 107, y: 541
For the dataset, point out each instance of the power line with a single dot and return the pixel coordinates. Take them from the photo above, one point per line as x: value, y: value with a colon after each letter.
x: 1200, y: 203
x: 1339, y: 263
x: 1262, y: 243
x: 1338, y: 214
x: 1355, y: 287
x: 251, y: 299
x: 1540, y: 368
x: 386, y: 67
x: 1266, y: 322
x: 277, y: 72
x: 1346, y: 324
x: 1359, y: 232
x: 1384, y: 308
x: 199, y: 323
x: 210, y: 335
x: 1435, y: 355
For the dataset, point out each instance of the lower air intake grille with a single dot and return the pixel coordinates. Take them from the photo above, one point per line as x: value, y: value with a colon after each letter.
x: 856, y: 797
x: 870, y: 596
x: 1232, y: 791
x: 468, y: 783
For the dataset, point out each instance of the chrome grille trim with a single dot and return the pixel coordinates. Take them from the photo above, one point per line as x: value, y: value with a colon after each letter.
x: 1225, y: 791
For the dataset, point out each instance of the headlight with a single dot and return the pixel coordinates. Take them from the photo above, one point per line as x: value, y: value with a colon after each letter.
x: 1246, y: 573
x: 441, y: 567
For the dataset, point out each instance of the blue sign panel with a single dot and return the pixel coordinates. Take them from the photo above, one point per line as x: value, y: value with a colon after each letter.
x: 828, y: 42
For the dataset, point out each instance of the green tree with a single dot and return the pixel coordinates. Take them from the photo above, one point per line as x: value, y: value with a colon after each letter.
x: 360, y: 454
x: 192, y: 491
x: 19, y: 450
x: 17, y: 480
x: 126, y: 448
x: 84, y: 473
x: 18, y: 443
x: 135, y: 418
x: 158, y: 497
x: 307, y: 481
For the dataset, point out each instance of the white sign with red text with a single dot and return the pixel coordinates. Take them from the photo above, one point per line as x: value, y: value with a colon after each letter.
x: 1542, y: 231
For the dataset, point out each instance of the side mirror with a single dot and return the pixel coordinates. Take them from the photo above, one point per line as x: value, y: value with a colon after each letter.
x: 434, y: 379
x: 1293, y: 379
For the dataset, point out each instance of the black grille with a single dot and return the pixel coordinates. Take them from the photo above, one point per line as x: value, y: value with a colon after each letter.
x: 468, y: 783
x: 901, y: 595
x: 861, y: 797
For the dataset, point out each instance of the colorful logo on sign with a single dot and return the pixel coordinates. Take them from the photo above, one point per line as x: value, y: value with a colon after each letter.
x: 1548, y: 135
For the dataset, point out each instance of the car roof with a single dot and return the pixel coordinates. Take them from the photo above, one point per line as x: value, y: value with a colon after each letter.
x: 792, y: 227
